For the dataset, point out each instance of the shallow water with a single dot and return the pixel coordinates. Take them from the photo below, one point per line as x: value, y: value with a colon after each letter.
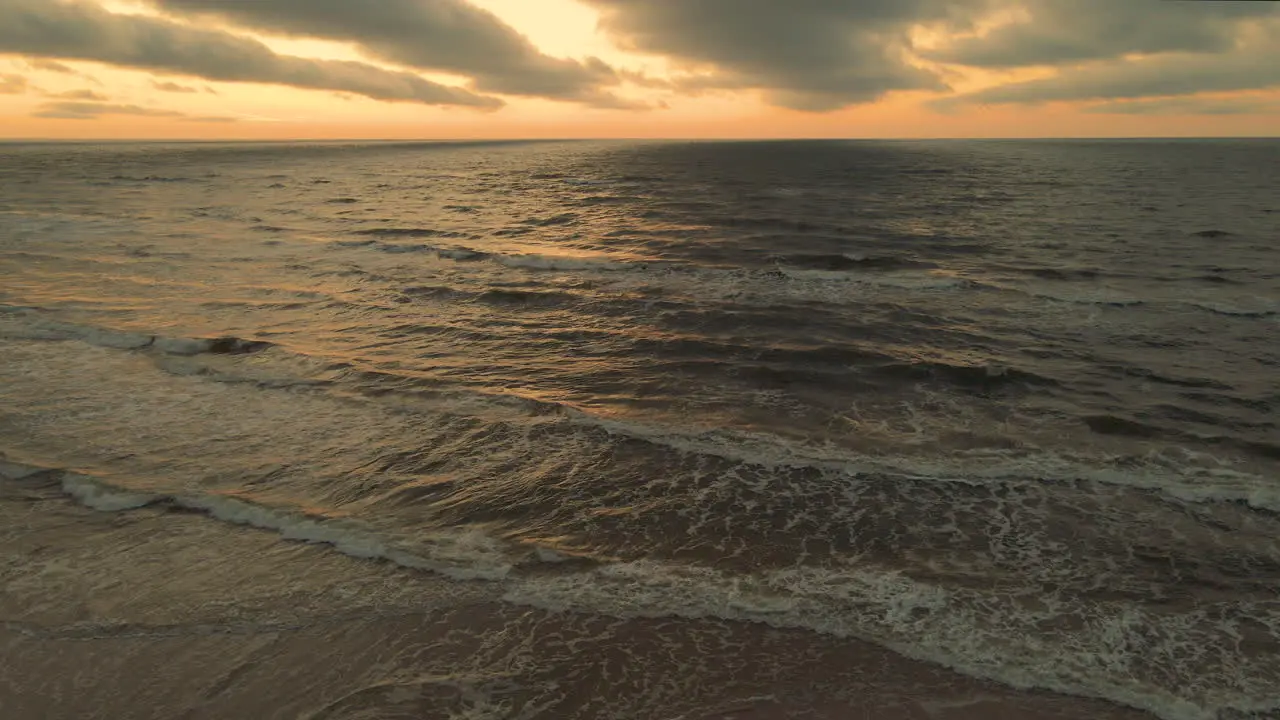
x: 1004, y: 407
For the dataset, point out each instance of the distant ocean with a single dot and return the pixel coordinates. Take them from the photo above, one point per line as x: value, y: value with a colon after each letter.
x: 641, y: 430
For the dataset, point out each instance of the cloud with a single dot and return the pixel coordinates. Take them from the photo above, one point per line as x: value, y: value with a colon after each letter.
x: 1251, y: 67
x: 13, y: 84
x: 1135, y: 49
x: 88, y: 95
x: 438, y: 35
x: 210, y: 119
x: 1055, y: 32
x: 73, y: 29
x: 804, y: 54
x: 71, y: 110
x: 1189, y: 106
x: 172, y: 87
x: 50, y: 66
x: 46, y: 65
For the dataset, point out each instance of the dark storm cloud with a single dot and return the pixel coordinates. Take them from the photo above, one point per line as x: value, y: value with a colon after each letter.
x: 83, y: 31
x: 826, y: 54
x: 1073, y: 31
x: 71, y: 110
x: 441, y: 35
x: 1249, y: 68
x: 1109, y: 50
x: 805, y: 54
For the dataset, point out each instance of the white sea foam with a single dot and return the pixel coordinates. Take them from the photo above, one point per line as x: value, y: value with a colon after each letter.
x: 461, y: 555
x: 1182, y: 481
x: 1108, y: 653
x: 1166, y: 475
x: 1257, y: 308
x: 30, y: 325
x: 971, y: 632
x: 100, y: 496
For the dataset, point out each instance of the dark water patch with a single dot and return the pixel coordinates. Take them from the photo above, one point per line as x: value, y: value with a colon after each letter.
x: 1218, y: 280
x: 268, y: 228
x: 465, y: 209
x: 667, y: 348
x: 981, y: 378
x: 276, y: 186
x: 434, y: 292
x: 526, y: 298
x: 406, y: 249
x: 1228, y: 311
x: 462, y: 254
x: 608, y: 200
x: 1254, y: 404
x: 1182, y: 414
x: 1115, y: 425
x: 153, y: 179
x: 553, y: 221
x: 513, y: 232
x: 1064, y: 273
x: 767, y: 223
x: 1213, y: 234
x: 838, y: 262
x: 1163, y: 379
x: 405, y: 232
x: 696, y: 207
x: 781, y: 377
x: 1268, y: 450
x: 236, y: 346
x: 342, y: 201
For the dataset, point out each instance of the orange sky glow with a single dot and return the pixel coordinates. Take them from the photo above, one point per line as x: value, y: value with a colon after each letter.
x: 186, y: 107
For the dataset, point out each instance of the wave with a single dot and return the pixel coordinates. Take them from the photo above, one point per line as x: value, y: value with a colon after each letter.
x: 35, y: 328
x: 825, y: 363
x: 849, y: 261
x: 154, y: 179
x: 1103, y: 298
x: 1103, y: 658
x: 533, y: 261
x: 283, y: 368
x: 527, y: 261
x: 461, y: 555
x: 818, y: 280
x: 1218, y: 308
x: 1123, y: 652
x: 407, y: 232
x: 1169, y: 476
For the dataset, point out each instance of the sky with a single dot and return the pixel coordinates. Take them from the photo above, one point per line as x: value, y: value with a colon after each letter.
x: 446, y: 69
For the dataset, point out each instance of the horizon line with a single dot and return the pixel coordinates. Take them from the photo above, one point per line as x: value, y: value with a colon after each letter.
x: 779, y: 138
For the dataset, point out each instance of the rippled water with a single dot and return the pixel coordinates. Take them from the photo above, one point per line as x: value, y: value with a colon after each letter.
x: 1010, y: 407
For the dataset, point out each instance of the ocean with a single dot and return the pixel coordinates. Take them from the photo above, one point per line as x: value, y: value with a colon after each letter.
x: 946, y: 429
